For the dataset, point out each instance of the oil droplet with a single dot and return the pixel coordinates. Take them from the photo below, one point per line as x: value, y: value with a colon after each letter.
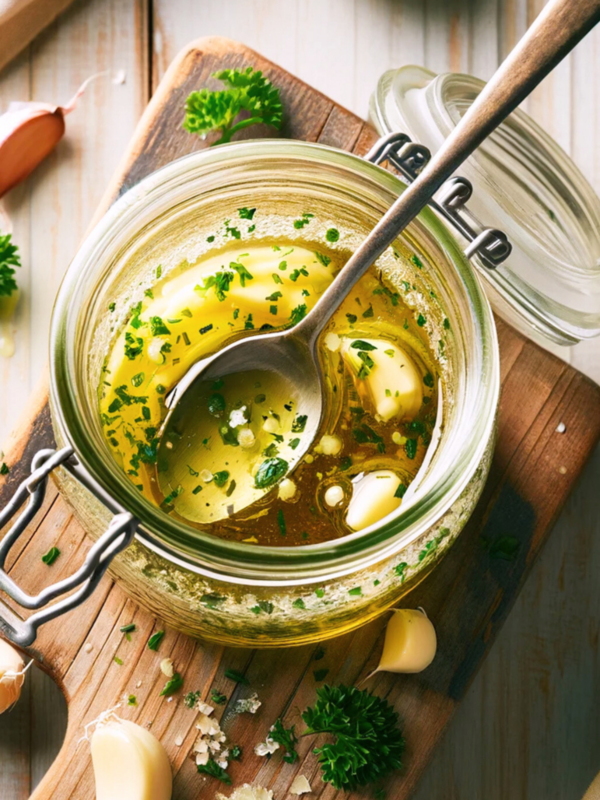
x: 8, y: 306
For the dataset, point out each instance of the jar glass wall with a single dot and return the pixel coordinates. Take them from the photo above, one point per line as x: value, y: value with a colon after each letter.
x: 208, y: 586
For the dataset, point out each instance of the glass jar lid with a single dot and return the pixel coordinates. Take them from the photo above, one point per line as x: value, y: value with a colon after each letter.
x: 524, y: 185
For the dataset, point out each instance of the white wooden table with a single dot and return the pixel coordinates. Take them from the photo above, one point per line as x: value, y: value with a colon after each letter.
x: 530, y: 726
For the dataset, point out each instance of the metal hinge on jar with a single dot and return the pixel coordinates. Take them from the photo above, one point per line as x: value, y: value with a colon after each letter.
x: 490, y: 245
x: 118, y: 535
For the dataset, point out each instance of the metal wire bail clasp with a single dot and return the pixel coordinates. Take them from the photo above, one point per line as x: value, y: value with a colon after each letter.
x: 490, y: 245
x: 33, y: 489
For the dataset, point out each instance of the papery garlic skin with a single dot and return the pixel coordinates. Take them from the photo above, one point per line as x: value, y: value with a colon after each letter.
x: 247, y: 792
x: 129, y: 762
x: 12, y: 675
x: 410, y: 642
x: 300, y: 785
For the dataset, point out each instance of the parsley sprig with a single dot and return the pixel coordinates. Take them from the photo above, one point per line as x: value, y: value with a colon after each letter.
x: 9, y: 258
x: 246, y: 91
x: 367, y: 745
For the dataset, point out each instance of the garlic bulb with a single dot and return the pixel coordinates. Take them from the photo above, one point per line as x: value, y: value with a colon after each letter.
x: 129, y: 762
x: 12, y: 675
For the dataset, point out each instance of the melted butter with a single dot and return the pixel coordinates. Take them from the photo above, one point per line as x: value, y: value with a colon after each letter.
x: 379, y: 407
x: 8, y: 306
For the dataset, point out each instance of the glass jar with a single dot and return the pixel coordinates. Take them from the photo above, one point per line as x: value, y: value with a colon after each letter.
x: 244, y: 594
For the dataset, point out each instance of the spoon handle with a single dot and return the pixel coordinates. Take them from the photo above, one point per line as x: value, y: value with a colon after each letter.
x: 557, y: 29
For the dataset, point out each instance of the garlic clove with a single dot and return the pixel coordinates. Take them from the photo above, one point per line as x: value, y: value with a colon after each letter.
x: 27, y: 135
x: 373, y: 498
x: 410, y: 642
x: 29, y: 132
x: 329, y: 445
x: 12, y: 675
x: 393, y: 383
x: 129, y: 762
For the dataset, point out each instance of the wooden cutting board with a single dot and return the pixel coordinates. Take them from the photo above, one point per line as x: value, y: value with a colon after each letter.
x: 468, y: 596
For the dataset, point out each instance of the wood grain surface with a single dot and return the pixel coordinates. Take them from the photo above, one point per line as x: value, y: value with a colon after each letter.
x: 528, y: 726
x: 468, y: 596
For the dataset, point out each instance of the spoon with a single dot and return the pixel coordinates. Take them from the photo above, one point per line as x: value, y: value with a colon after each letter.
x: 291, y: 355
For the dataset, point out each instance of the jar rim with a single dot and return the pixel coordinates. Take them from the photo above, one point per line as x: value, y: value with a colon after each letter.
x: 242, y: 562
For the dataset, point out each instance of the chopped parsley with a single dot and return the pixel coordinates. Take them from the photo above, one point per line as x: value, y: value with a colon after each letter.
x: 51, y: 556
x: 299, y: 423
x: 298, y: 314
x: 221, y: 478
x: 411, y: 447
x: 332, y: 235
x: 212, y: 769
x: 191, y: 699
x: 246, y: 213
x: 270, y: 472
x: 155, y: 640
x: 281, y: 522
x: 173, y: 685
x: 158, y: 327
x: 237, y: 677
x: 360, y: 345
x: 303, y: 221
x: 242, y: 272
x: 218, y: 697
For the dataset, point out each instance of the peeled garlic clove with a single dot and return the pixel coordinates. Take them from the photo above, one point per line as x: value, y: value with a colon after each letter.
x: 329, y: 445
x: 393, y: 383
x: 12, y: 675
x: 129, y: 762
x: 373, y: 498
x: 410, y: 642
x: 287, y: 489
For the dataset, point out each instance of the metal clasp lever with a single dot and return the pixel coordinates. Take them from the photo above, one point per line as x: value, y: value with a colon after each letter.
x: 119, y: 535
x: 490, y: 245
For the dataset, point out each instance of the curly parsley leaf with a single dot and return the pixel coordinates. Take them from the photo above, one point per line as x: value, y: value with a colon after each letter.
x: 287, y: 738
x: 9, y: 258
x: 368, y: 743
x: 246, y: 91
x: 215, y: 771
